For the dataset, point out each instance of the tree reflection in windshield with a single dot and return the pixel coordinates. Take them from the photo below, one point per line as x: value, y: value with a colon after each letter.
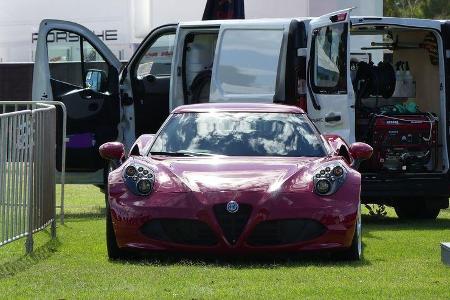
x: 239, y: 134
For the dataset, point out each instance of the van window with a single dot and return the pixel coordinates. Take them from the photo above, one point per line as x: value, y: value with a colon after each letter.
x: 157, y: 59
x: 72, y: 59
x: 330, y: 57
x: 248, y: 61
x: 64, y: 56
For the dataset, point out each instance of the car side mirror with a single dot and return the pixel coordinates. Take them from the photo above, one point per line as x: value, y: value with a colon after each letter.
x: 112, y: 151
x: 96, y: 80
x: 359, y: 153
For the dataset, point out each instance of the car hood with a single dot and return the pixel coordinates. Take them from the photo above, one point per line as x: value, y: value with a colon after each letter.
x: 234, y: 173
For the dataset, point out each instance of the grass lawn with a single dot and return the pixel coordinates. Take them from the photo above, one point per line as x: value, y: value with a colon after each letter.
x: 401, y: 260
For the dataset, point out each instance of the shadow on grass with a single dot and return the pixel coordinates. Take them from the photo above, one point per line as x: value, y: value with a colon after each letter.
x: 375, y: 223
x: 27, y: 261
x: 294, y: 260
x: 73, y: 216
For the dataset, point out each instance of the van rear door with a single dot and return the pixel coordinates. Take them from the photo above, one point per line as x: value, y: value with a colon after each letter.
x: 331, y: 98
x: 75, y: 67
x: 249, y: 61
x: 446, y: 40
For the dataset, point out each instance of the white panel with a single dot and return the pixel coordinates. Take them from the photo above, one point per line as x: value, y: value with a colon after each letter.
x: 175, y: 11
x: 142, y: 18
x: 274, y: 9
x: 246, y: 64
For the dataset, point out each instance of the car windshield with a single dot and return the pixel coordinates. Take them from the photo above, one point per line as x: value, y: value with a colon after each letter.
x: 238, y: 134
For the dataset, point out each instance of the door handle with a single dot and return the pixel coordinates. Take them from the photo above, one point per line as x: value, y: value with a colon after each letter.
x: 332, y: 118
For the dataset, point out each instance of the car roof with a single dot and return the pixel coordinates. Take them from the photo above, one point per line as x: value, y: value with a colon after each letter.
x: 238, y: 107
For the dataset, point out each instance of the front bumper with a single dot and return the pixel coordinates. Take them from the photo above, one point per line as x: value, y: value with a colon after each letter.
x: 198, y: 222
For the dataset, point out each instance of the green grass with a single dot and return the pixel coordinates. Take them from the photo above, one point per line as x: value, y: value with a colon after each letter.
x: 401, y: 260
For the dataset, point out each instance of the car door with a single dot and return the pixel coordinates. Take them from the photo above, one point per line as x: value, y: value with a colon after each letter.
x: 75, y: 67
x: 150, y: 73
x: 331, y: 98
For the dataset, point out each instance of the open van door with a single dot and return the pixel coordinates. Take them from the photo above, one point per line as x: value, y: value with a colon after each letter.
x: 249, y: 60
x: 330, y: 93
x: 75, y: 67
x: 446, y: 41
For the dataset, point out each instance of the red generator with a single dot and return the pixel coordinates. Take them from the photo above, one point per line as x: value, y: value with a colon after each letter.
x: 403, y: 143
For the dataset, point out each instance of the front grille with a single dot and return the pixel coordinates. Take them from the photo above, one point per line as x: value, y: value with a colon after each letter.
x: 232, y: 224
x: 282, y: 232
x: 180, y: 231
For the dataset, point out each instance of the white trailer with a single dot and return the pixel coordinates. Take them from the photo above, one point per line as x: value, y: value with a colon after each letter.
x: 123, y: 24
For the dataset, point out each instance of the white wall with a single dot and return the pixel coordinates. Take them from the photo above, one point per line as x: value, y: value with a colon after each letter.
x: 362, y: 7
x: 276, y: 9
x: 153, y: 13
x: 19, y: 19
x: 133, y: 19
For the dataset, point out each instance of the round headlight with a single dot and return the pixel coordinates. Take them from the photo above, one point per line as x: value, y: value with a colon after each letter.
x: 338, y: 171
x: 323, y: 186
x: 144, y: 186
x: 130, y: 171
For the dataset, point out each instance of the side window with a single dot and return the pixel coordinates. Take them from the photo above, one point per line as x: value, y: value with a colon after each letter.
x: 157, y: 58
x: 64, y: 56
x: 74, y: 61
x: 95, y: 69
x: 247, y: 62
x: 330, y: 59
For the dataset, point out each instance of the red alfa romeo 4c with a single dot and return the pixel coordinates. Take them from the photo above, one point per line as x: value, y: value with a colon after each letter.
x: 235, y: 179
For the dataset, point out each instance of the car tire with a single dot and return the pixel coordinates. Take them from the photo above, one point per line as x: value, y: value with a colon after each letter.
x: 416, y: 211
x: 114, y: 252
x: 354, y: 252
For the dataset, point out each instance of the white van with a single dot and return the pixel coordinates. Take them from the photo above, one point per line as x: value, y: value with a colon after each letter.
x: 392, y: 93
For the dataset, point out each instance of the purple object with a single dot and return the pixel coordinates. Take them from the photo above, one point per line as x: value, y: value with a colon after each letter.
x: 82, y: 140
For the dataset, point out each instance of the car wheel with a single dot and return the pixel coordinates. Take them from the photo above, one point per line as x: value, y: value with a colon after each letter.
x: 114, y: 252
x: 354, y: 252
x: 416, y: 210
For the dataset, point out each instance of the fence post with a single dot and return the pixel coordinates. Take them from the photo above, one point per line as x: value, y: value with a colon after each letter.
x: 52, y: 143
x: 29, y: 242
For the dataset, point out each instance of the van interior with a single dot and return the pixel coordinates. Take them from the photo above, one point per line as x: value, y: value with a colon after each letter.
x: 400, y: 104
x: 198, y: 58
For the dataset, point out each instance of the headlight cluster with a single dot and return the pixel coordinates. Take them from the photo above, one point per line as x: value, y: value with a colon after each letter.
x: 329, y: 179
x: 139, y: 179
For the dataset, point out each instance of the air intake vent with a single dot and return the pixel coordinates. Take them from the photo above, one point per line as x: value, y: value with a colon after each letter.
x: 232, y: 224
x: 180, y: 231
x: 283, y: 232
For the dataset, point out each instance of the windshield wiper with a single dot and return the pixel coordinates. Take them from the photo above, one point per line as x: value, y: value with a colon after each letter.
x: 171, y: 153
x: 183, y: 153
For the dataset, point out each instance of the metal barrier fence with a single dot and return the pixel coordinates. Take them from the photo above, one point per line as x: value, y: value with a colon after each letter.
x: 27, y: 170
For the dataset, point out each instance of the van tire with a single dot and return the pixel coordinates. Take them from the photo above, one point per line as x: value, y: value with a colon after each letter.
x: 416, y: 211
